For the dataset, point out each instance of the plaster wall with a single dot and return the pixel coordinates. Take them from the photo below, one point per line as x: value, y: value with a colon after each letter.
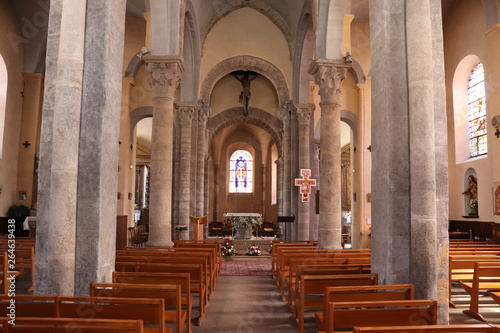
x: 12, y: 53
x: 464, y: 27
x: 246, y: 32
x: 226, y: 92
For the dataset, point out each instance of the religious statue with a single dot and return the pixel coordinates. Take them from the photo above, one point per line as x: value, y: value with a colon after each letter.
x: 245, y: 94
x: 472, y: 193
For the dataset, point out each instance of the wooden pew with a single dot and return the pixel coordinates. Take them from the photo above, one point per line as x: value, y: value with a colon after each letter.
x: 324, y: 268
x: 22, y: 261
x: 277, y: 248
x: 463, y: 271
x: 346, y: 315
x: 363, y: 293
x: 311, y: 293
x: 486, y: 278
x: 201, y: 258
x: 170, y: 293
x: 81, y: 325
x: 466, y: 328
x: 195, y: 272
x: 150, y: 310
x: 182, y: 279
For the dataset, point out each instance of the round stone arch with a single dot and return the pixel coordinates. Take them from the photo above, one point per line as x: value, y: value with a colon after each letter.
x: 247, y: 63
x: 136, y: 116
x: 256, y: 117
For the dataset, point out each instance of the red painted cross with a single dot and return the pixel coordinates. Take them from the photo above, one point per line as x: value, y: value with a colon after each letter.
x: 305, y: 184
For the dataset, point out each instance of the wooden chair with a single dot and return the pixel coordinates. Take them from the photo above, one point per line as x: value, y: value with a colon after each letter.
x: 216, y: 228
x: 136, y: 239
x: 268, y: 229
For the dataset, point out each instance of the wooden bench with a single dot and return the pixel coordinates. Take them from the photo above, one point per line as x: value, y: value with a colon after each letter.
x: 170, y: 293
x: 311, y: 293
x: 195, y: 274
x: 324, y: 268
x: 363, y: 293
x: 182, y: 279
x: 486, y: 278
x: 463, y: 271
x: 346, y: 315
x: 22, y: 261
x: 201, y: 258
x: 150, y: 310
x: 466, y: 328
x: 63, y: 325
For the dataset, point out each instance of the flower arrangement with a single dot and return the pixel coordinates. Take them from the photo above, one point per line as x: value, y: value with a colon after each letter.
x: 245, y: 221
x: 473, y: 206
x: 227, y: 248
x: 254, y: 251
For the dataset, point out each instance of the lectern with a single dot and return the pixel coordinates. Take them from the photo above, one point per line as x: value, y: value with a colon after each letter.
x: 198, y: 222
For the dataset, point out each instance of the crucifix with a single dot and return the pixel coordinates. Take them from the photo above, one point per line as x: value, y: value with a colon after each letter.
x: 245, y: 77
x: 305, y: 184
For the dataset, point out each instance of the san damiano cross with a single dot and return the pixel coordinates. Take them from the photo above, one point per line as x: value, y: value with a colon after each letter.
x: 305, y: 184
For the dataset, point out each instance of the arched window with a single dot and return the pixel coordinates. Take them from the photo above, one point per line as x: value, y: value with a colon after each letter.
x: 476, y: 112
x: 241, y: 172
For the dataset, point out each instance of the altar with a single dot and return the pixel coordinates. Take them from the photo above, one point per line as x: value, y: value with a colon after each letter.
x: 243, y: 223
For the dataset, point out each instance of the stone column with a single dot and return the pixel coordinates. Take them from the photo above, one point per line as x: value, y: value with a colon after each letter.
x: 99, y: 140
x: 328, y: 75
x: 263, y: 184
x: 203, y: 114
x: 58, y: 171
x: 408, y: 180
x: 186, y: 112
x: 286, y: 167
x: 165, y: 75
x: 441, y: 162
x: 314, y: 218
x: 279, y: 190
x: 304, y: 112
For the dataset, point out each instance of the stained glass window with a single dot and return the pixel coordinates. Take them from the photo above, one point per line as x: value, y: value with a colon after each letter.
x: 241, y: 172
x: 476, y: 112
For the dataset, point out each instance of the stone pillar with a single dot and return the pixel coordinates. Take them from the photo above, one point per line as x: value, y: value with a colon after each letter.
x: 263, y: 184
x: 186, y: 112
x: 304, y: 112
x: 329, y: 75
x: 203, y: 114
x: 286, y: 167
x: 441, y: 162
x: 408, y: 177
x: 314, y: 218
x: 165, y: 75
x: 58, y: 171
x: 99, y: 140
x: 279, y: 192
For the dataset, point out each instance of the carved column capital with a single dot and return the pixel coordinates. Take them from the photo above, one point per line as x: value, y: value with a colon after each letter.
x: 203, y: 113
x: 165, y: 74
x: 186, y: 113
x: 329, y: 75
x: 304, y: 112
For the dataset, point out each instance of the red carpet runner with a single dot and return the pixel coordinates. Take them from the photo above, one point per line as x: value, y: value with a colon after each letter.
x: 246, y: 268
